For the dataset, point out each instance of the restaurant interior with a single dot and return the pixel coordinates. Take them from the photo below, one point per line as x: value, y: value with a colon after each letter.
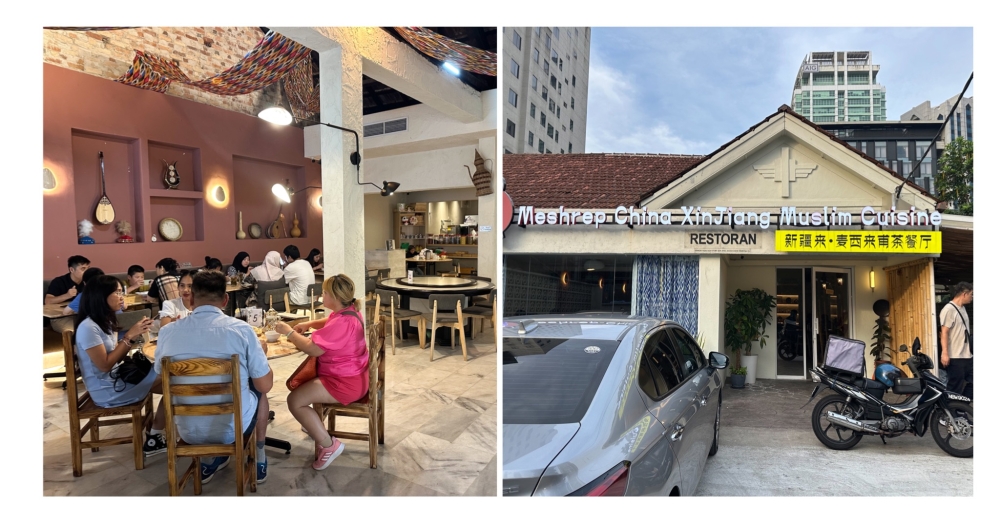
x: 385, y: 163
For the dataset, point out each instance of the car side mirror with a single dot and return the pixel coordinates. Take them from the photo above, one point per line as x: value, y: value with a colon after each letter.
x: 718, y: 360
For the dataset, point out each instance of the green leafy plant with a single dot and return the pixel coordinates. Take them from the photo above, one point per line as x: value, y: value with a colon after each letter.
x: 881, y: 348
x: 740, y: 371
x: 954, y: 178
x: 748, y: 313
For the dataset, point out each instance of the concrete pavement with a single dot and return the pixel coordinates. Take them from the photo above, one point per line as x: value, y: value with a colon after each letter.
x: 767, y: 448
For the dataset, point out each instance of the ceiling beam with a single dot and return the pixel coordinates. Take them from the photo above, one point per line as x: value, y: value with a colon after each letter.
x: 396, y: 65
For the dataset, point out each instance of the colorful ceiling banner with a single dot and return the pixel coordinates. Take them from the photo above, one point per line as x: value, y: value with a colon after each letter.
x: 303, y: 97
x: 443, y: 48
x: 273, y: 58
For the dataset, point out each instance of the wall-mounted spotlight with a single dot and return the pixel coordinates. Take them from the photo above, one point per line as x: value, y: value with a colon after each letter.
x: 871, y: 279
x: 48, y: 179
x: 219, y: 194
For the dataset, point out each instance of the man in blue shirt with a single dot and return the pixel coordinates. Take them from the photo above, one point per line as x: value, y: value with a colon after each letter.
x: 208, y: 333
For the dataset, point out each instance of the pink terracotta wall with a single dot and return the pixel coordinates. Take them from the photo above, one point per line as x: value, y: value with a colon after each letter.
x: 136, y: 129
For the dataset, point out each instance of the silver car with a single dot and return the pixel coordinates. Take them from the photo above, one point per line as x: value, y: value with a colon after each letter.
x: 606, y: 405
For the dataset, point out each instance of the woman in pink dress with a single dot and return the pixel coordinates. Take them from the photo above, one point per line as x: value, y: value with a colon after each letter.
x: 342, y: 364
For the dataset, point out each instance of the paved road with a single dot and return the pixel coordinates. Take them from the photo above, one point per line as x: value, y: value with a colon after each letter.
x: 767, y: 448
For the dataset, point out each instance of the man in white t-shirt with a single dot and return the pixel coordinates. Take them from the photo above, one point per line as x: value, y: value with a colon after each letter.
x: 299, y: 275
x: 956, y: 339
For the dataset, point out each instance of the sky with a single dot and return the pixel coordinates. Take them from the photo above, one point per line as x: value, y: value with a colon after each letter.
x: 688, y: 90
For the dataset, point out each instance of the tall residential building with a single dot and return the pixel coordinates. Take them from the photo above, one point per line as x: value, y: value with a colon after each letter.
x: 961, y: 121
x: 896, y: 145
x: 545, y: 78
x: 839, y: 86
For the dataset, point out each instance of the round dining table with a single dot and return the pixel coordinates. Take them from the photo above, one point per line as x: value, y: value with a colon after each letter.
x: 423, y: 286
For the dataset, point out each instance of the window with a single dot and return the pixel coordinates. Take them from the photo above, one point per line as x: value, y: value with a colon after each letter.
x: 534, y: 83
x: 663, y: 365
x: 545, y: 93
x: 560, y: 64
x: 538, y: 31
x: 552, y: 106
x: 557, y: 137
x: 691, y: 356
x: 555, y: 31
x: 571, y: 125
x: 545, y: 66
x: 517, y: 40
x: 958, y: 122
x: 574, y: 80
x: 559, y: 89
x: 552, y: 81
x: 550, y: 131
x: 510, y: 128
x: 534, y: 55
x: 541, y: 146
x: 968, y: 121
x: 902, y: 150
x: 548, y: 41
x: 531, y: 138
x: 880, y: 152
x: 558, y: 110
x: 572, y: 103
x: 562, y: 151
x: 512, y: 98
x: 531, y: 111
x: 515, y: 69
x: 554, y: 57
x: 543, y: 119
x: 570, y: 146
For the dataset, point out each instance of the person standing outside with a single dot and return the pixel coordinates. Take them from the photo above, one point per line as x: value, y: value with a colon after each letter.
x: 956, y: 339
x: 298, y: 275
x: 208, y: 333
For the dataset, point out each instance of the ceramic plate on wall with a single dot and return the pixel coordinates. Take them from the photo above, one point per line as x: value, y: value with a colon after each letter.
x: 254, y: 230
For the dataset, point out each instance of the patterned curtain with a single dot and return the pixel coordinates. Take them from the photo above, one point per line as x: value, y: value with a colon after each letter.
x: 667, y: 287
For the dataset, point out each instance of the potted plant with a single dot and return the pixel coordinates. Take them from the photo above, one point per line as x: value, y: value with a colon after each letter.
x: 748, y: 313
x: 738, y: 378
x: 881, y: 348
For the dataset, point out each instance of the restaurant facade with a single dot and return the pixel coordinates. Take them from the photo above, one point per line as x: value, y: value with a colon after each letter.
x: 785, y: 207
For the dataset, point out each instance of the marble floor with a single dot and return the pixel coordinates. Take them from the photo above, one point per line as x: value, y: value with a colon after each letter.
x: 440, y: 437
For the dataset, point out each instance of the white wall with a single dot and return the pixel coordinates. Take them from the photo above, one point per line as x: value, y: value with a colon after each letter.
x: 378, y: 219
x: 424, y: 171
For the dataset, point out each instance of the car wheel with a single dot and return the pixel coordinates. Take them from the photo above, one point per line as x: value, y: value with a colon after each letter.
x: 718, y: 419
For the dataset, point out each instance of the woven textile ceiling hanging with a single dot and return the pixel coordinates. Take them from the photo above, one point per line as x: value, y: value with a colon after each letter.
x: 443, y: 48
x: 274, y: 57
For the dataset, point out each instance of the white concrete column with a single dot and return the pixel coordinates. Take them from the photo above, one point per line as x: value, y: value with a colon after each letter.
x: 488, y: 243
x: 343, y: 198
x: 711, y: 301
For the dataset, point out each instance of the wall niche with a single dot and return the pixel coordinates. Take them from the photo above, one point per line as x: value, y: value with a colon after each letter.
x: 120, y: 181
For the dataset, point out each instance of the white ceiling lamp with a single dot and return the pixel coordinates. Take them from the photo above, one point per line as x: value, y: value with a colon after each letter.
x: 593, y: 265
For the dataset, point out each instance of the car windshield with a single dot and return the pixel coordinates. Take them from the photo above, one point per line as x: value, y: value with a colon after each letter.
x: 551, y: 380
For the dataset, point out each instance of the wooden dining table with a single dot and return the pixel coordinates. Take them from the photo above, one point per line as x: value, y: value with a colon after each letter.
x: 56, y: 310
x: 423, y: 286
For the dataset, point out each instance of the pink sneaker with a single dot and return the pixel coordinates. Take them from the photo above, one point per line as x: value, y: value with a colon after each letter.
x: 326, y: 455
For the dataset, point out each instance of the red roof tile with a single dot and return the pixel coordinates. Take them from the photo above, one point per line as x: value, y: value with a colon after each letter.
x: 588, y: 179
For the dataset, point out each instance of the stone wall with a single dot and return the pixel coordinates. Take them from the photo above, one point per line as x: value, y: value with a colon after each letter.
x: 201, y: 52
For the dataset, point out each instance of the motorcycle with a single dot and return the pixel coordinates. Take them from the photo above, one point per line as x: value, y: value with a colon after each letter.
x: 790, y: 341
x: 857, y: 409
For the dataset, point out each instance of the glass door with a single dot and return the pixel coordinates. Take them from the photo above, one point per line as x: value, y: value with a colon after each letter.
x: 831, y: 307
x: 791, y: 319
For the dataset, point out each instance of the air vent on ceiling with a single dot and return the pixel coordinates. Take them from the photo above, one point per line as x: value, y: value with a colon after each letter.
x: 392, y: 126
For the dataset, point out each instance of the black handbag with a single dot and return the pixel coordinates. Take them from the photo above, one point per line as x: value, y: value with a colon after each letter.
x: 131, y: 370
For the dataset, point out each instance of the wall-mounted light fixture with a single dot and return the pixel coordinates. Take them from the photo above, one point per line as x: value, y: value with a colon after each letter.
x: 219, y: 194
x: 564, y: 278
x: 871, y: 279
x: 280, y: 115
x: 593, y: 265
x: 48, y: 179
x: 285, y: 192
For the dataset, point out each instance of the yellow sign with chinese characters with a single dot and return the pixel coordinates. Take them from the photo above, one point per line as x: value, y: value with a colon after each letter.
x: 873, y: 242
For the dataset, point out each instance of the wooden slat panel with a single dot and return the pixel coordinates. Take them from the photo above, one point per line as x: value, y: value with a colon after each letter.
x: 105, y: 442
x: 202, y: 389
x: 197, y: 367
x: 203, y: 410
x: 205, y: 450
x: 911, y: 300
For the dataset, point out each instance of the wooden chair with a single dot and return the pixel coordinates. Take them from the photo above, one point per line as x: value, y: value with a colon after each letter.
x: 82, y: 407
x: 370, y: 307
x: 315, y: 292
x: 243, y: 449
x: 446, y: 311
x: 276, y: 295
x: 481, y: 313
x: 372, y: 406
x: 390, y: 309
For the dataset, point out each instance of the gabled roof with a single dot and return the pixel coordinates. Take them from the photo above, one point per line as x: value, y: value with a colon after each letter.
x: 787, y: 110
x: 611, y: 179
x: 588, y: 179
